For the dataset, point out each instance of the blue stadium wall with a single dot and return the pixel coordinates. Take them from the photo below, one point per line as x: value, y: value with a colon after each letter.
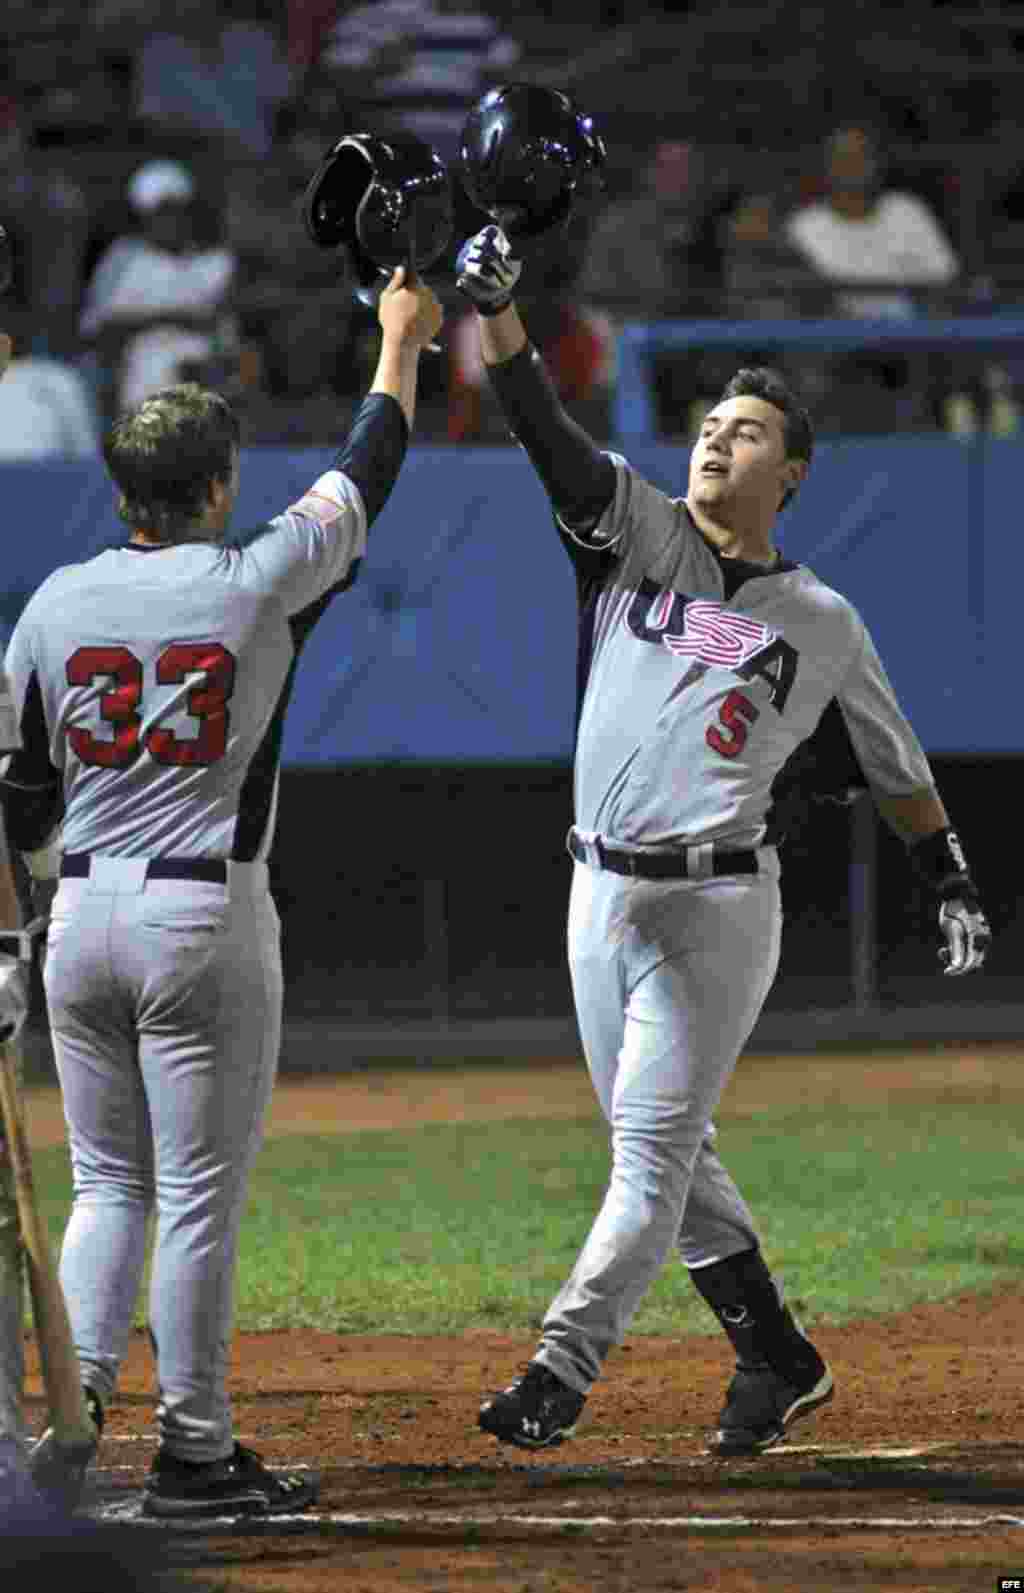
x: 419, y: 862
x: 457, y: 642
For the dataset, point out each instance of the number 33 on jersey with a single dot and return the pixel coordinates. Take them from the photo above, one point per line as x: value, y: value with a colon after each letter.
x: 205, y: 671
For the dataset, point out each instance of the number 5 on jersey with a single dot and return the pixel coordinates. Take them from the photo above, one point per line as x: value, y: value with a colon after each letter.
x: 736, y: 715
x: 120, y: 704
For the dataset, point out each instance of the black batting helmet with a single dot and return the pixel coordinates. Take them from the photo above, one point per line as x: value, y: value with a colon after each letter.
x: 526, y: 152
x: 385, y: 202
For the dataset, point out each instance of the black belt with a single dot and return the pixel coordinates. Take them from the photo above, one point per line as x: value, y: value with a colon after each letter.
x: 75, y: 865
x: 659, y: 865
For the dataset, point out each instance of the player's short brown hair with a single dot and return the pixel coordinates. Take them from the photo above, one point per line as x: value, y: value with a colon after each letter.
x: 166, y: 452
x: 798, y: 429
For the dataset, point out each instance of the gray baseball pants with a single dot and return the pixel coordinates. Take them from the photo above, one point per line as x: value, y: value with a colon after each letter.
x: 668, y: 978
x: 165, y: 1007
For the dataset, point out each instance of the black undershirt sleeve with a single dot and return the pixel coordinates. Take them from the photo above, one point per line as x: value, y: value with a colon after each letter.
x: 578, y: 478
x: 31, y: 789
x: 373, y: 452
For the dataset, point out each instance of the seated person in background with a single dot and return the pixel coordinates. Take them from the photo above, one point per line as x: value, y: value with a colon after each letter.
x: 46, y: 215
x: 157, y: 302
x: 862, y: 233
x: 885, y: 255
x: 765, y: 277
x: 46, y: 409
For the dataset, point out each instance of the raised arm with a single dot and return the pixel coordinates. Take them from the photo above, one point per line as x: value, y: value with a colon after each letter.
x: 410, y: 318
x: 578, y: 477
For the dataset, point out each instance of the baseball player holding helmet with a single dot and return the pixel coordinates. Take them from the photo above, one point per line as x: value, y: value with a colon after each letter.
x: 706, y: 658
x: 151, y: 685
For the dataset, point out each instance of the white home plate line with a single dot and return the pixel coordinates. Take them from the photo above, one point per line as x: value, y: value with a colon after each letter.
x: 698, y: 1523
x: 616, y: 1463
x: 312, y: 1520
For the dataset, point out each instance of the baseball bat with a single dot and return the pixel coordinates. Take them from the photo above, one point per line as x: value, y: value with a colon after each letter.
x: 62, y: 1381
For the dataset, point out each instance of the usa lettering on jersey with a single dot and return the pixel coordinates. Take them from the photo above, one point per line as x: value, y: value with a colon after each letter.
x: 715, y: 635
x: 712, y: 636
x: 699, y: 629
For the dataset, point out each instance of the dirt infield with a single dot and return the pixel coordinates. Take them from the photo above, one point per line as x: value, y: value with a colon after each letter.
x: 913, y: 1479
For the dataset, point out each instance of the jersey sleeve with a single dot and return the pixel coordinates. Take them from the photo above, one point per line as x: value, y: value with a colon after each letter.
x: 10, y: 731
x: 303, y: 554
x: 31, y: 788
x: 640, y: 518
x: 887, y: 749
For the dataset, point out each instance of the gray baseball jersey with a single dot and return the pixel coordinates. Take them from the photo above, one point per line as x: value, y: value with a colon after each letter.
x: 12, y: 1281
x: 154, y: 680
x: 693, y: 701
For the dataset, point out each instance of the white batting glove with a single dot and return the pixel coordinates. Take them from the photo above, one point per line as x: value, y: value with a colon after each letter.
x: 13, y: 998
x: 967, y: 934
x: 485, y: 271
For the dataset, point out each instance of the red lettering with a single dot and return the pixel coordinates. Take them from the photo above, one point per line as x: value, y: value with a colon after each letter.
x: 119, y: 706
x: 207, y: 702
x: 736, y: 715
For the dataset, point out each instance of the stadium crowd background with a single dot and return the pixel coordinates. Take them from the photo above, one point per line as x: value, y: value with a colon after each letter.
x: 765, y: 160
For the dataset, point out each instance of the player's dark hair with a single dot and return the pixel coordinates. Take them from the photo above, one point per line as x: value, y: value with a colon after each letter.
x: 164, y: 455
x: 771, y: 386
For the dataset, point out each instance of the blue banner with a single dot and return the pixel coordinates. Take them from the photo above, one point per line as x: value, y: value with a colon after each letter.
x: 458, y: 640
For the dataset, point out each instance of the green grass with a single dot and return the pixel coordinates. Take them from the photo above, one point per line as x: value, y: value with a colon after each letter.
x: 454, y: 1227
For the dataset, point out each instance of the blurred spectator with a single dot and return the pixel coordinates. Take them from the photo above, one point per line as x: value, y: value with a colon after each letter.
x: 46, y: 216
x: 157, y: 301
x: 659, y: 255
x: 883, y: 254
x: 862, y: 234
x: 202, y: 72
x: 765, y: 277
x: 418, y: 65
x: 578, y: 346
x: 46, y: 409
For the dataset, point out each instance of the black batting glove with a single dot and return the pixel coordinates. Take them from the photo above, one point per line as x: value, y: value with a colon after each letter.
x: 940, y: 861
x: 485, y: 272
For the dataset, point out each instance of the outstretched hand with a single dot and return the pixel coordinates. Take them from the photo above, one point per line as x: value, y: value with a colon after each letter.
x: 967, y: 936
x: 409, y: 310
x: 485, y: 271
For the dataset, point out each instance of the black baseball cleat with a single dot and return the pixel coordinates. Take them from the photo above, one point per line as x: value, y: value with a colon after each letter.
x: 537, y: 1411
x: 760, y: 1406
x: 240, y: 1485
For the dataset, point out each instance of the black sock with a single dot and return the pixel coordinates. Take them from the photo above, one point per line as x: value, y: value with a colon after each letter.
x: 741, y: 1292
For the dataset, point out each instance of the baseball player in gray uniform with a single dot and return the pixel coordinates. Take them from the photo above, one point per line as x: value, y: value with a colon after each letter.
x: 14, y: 1483
x: 151, y: 685
x: 705, y: 660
